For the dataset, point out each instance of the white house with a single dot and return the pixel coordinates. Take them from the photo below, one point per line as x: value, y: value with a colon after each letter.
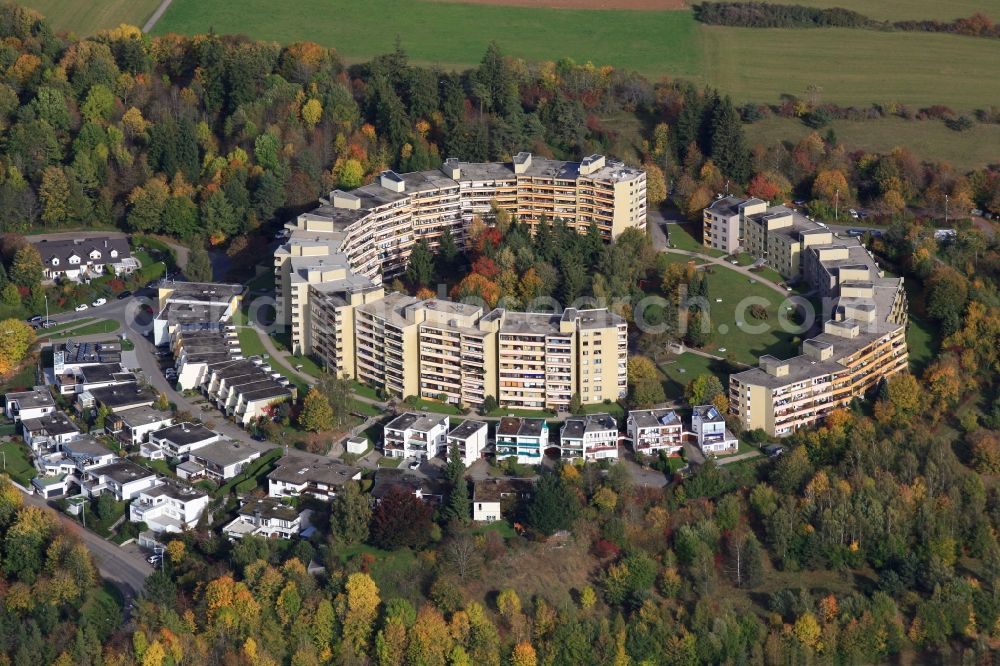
x: 470, y: 438
x: 122, y: 478
x: 83, y: 258
x: 304, y: 473
x: 493, y: 497
x: 168, y: 506
x: 29, y: 404
x: 133, y: 426
x: 420, y: 436
x: 182, y: 438
x: 67, y: 464
x: 49, y: 431
x: 224, y: 459
x: 590, y: 437
x: 710, y: 428
x: 654, y: 430
x: 269, y: 518
x: 522, y: 438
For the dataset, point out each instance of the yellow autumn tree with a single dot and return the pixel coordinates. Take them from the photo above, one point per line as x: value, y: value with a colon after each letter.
x: 359, y: 609
x: 312, y: 113
x: 523, y: 655
x: 16, y: 338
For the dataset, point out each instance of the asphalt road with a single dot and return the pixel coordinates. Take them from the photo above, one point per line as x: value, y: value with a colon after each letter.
x: 125, y: 568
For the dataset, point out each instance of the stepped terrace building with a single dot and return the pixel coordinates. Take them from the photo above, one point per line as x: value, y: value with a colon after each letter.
x: 355, y: 240
x: 862, y: 343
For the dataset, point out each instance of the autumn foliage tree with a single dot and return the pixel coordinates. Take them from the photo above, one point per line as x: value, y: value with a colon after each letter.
x: 400, y: 520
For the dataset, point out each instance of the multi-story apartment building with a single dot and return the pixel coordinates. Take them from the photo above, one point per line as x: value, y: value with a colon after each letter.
x: 370, y: 231
x: 654, y: 430
x: 470, y: 438
x: 522, y: 438
x: 862, y: 343
x: 722, y: 221
x: 420, y: 436
x: 590, y: 437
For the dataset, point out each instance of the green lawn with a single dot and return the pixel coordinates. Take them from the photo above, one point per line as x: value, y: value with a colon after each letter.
x: 363, y: 390
x: 688, y: 237
x: 86, y: 18
x: 93, y: 328
x: 528, y: 413
x: 922, y: 342
x: 614, y: 409
x: 734, y: 289
x: 850, y: 66
x: 391, y: 463
x: 680, y: 370
x: 309, y: 365
x: 15, y: 462
x: 903, y: 10
x: 364, y: 408
x: 456, y: 35
x: 927, y: 139
x: 250, y: 342
x: 44, y: 332
x: 435, y: 406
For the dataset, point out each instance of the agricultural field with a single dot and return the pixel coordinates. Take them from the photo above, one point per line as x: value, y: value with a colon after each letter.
x: 456, y: 35
x: 856, y: 67
x: 927, y: 140
x: 906, y: 10
x: 85, y: 18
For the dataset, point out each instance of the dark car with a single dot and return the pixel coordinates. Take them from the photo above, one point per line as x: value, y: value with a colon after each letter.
x: 125, y: 294
x: 773, y: 450
x: 36, y: 320
x: 855, y: 232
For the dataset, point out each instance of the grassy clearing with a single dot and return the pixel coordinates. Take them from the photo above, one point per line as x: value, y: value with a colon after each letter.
x: 45, y: 332
x: 688, y: 237
x: 309, y: 365
x: 456, y: 35
x: 86, y: 18
x: 733, y: 289
x: 527, y: 413
x: 680, y: 370
x: 922, y: 342
x: 614, y: 409
x: 15, y: 463
x: 93, y: 328
x: 363, y: 390
x: 903, y: 10
x: 422, y: 404
x: 852, y: 66
x: 391, y: 463
x: 927, y: 139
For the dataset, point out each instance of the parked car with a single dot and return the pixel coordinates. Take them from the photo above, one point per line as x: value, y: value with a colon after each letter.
x: 854, y: 213
x: 34, y: 321
x: 414, y: 465
x: 773, y: 450
x: 976, y: 212
x: 154, y: 559
x: 855, y: 232
x: 99, y: 302
x: 81, y: 307
x: 125, y: 294
x: 48, y: 324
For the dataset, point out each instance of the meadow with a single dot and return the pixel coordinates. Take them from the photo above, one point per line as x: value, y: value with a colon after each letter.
x: 906, y: 10
x: 852, y: 67
x: 456, y: 35
x: 85, y: 18
x: 928, y: 140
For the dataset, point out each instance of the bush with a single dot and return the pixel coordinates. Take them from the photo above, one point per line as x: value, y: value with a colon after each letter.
x: 243, y: 487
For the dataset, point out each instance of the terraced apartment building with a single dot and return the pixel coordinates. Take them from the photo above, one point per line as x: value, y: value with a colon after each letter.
x: 862, y: 342
x: 360, y: 238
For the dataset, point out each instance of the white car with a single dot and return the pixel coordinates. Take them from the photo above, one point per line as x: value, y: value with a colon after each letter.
x: 99, y: 302
x: 414, y: 465
x: 854, y: 213
x: 81, y: 307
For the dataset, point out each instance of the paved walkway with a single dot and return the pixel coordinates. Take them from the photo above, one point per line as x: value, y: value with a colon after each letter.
x: 739, y: 269
x: 157, y: 15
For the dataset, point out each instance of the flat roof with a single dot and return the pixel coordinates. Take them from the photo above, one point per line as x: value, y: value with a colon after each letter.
x: 39, y: 396
x: 144, y: 416
x: 227, y: 452
x: 175, y: 490
x: 54, y: 423
x: 123, y: 471
x: 467, y: 429
x: 577, y: 426
x: 85, y: 445
x: 207, y: 292
x: 305, y: 467
x: 520, y: 426
x: 652, y: 418
x: 185, y: 433
x: 269, y: 508
x: 87, y: 353
x: 121, y: 395
x: 420, y: 422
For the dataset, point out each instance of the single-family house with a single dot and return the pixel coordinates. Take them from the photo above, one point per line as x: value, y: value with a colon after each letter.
x: 710, y: 428
x: 133, y: 426
x: 122, y: 478
x: 493, y: 498
x: 182, y: 438
x: 470, y: 438
x: 269, y: 518
x: 301, y: 473
x: 420, y: 436
x: 31, y: 404
x: 522, y: 438
x: 590, y: 437
x: 49, y: 431
x: 168, y: 506
x: 224, y: 459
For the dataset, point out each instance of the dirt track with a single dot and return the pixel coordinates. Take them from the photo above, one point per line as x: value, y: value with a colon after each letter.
x: 645, y: 5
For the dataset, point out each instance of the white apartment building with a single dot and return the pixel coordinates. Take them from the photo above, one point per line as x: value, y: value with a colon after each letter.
x: 420, y: 436
x: 522, y: 438
x: 470, y: 437
x: 590, y: 437
x: 169, y: 507
x: 655, y: 430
